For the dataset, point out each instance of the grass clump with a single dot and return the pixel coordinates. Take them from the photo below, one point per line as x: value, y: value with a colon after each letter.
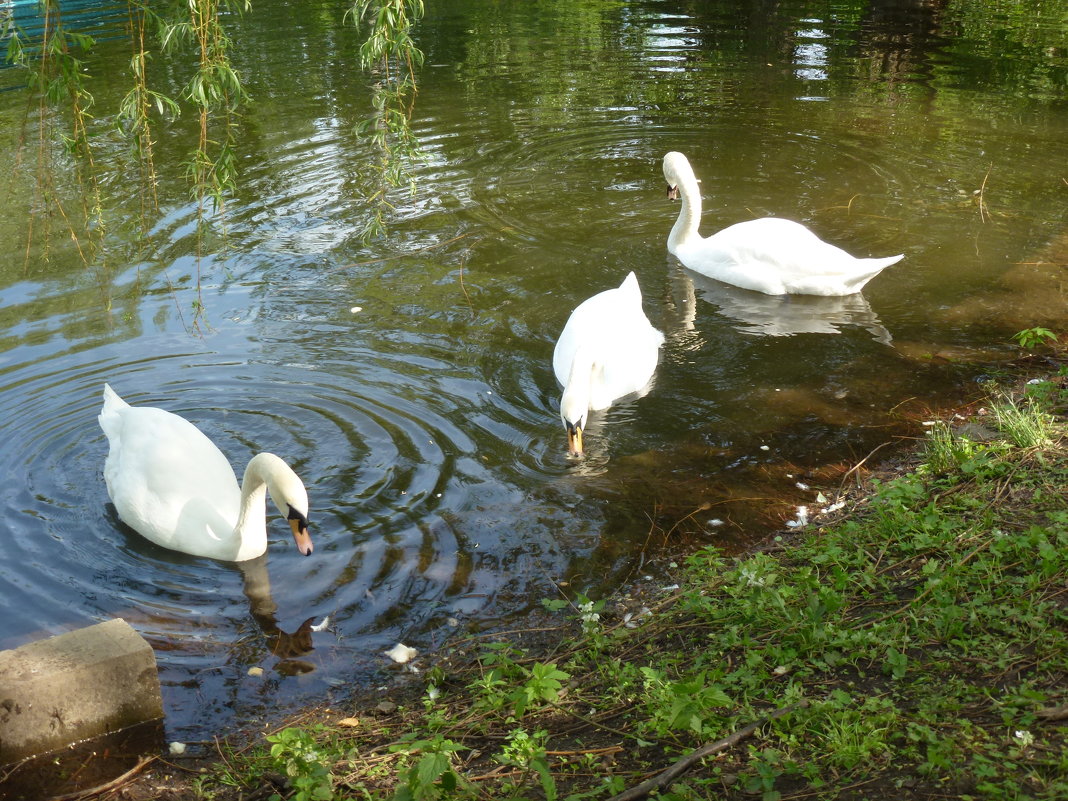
x: 916, y: 649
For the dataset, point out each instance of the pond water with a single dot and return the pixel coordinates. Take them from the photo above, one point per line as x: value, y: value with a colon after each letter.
x: 408, y: 380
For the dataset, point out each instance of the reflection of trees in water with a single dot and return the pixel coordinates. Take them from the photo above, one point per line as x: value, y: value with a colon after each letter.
x: 390, y: 56
x: 708, y: 55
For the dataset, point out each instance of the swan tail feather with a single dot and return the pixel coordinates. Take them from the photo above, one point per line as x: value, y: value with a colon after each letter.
x: 886, y: 261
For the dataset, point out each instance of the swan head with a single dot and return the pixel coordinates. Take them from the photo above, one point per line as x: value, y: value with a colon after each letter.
x: 676, y: 166
x: 289, y: 495
x: 573, y: 411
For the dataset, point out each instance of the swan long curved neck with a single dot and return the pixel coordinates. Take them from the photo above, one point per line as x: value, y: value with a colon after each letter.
x: 689, y: 220
x: 575, y: 401
x: 251, y: 527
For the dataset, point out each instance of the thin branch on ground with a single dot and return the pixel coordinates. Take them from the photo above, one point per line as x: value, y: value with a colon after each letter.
x: 114, y: 784
x: 667, y: 776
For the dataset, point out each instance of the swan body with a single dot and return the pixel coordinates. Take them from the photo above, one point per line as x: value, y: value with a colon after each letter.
x: 172, y: 485
x: 770, y: 255
x: 608, y: 349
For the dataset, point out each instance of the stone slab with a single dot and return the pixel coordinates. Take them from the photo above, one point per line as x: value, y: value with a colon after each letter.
x: 74, y: 686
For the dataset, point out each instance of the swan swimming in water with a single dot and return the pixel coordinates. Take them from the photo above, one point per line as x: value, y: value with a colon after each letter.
x: 608, y: 349
x: 172, y: 485
x: 770, y: 255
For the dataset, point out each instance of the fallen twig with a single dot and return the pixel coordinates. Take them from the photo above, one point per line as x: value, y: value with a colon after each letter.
x: 115, y: 783
x: 860, y: 464
x: 665, y: 777
x: 464, y: 288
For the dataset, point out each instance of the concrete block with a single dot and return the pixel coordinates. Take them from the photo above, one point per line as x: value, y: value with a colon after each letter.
x: 74, y: 686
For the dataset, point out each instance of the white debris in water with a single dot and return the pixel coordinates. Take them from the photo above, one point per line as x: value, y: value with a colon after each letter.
x: 176, y: 748
x: 255, y: 671
x: 356, y: 309
x: 669, y: 588
x: 834, y: 507
x: 802, y: 518
x: 929, y: 423
x: 821, y: 498
x: 401, y: 653
x: 765, y: 448
x: 322, y: 626
x: 802, y: 485
x: 715, y: 521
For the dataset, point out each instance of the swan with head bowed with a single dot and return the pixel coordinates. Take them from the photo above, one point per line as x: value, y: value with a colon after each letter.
x: 172, y: 485
x: 771, y: 255
x: 608, y: 349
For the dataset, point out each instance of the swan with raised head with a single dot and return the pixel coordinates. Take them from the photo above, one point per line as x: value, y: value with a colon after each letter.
x: 172, y: 485
x: 771, y: 255
x: 608, y: 349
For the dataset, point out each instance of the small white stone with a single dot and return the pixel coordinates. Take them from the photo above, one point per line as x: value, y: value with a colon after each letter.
x: 765, y: 448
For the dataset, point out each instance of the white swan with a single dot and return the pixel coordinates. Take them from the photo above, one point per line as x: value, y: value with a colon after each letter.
x: 608, y: 349
x: 172, y: 485
x: 770, y: 255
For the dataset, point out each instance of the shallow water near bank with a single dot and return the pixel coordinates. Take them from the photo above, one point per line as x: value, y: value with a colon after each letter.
x: 408, y: 380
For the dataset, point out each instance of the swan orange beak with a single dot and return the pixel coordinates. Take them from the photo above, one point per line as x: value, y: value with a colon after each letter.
x: 574, y: 441
x: 300, y: 535
x: 673, y: 193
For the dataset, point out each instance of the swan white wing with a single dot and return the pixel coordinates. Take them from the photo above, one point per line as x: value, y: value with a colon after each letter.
x: 777, y: 256
x: 597, y: 319
x: 168, y: 481
x: 629, y: 361
x: 612, y: 326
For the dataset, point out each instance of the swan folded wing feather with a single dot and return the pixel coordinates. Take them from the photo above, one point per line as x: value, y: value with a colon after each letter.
x: 150, y: 453
x: 629, y: 363
x: 778, y: 256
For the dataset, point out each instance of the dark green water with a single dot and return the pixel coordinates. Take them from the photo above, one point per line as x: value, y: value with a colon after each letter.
x: 425, y: 424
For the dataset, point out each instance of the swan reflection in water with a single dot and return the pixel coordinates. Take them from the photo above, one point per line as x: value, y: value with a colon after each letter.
x: 776, y: 315
x: 287, y: 647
